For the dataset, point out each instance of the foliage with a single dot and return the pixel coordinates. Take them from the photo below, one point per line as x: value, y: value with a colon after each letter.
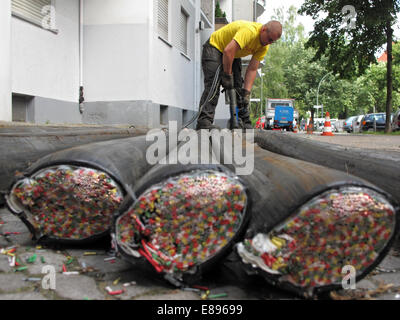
x: 351, y: 49
x: 291, y: 71
x: 218, y: 11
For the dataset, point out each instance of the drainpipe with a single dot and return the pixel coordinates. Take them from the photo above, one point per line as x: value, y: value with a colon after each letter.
x: 255, y: 10
x: 81, y: 95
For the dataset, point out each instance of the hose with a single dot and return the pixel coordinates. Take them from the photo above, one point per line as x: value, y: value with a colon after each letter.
x: 213, y: 92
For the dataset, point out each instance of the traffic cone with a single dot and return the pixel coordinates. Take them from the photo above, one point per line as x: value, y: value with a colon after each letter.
x: 295, y: 129
x: 327, y: 126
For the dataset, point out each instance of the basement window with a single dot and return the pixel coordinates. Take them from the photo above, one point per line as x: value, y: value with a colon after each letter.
x: 163, y: 115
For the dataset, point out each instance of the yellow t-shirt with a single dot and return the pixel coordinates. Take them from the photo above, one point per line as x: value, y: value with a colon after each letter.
x: 246, y: 34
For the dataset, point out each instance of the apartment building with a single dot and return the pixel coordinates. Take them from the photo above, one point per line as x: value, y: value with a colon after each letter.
x: 104, y: 61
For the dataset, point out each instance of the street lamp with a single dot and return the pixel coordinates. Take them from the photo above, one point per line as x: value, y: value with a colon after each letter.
x: 322, y: 108
x: 262, y: 85
x: 261, y: 74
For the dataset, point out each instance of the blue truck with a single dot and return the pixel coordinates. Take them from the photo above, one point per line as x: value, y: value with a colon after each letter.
x: 283, y: 118
x: 280, y: 114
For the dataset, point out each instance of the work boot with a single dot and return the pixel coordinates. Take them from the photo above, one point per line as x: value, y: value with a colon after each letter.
x: 246, y: 124
x: 206, y: 124
x: 244, y: 116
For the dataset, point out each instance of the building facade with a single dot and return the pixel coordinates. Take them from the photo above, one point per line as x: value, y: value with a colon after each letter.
x: 127, y: 61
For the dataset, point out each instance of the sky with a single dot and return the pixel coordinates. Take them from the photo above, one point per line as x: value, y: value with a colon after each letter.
x: 307, y: 21
x: 275, y: 4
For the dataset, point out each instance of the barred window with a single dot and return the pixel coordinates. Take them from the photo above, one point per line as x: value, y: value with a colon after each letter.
x: 38, y: 12
x: 163, y: 19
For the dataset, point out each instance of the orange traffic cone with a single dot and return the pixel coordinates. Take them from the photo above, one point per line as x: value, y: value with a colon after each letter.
x: 327, y: 126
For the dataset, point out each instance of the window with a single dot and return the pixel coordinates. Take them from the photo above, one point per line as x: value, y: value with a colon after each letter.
x: 163, y: 115
x: 274, y: 104
x: 183, y: 32
x: 162, y: 19
x: 38, y: 12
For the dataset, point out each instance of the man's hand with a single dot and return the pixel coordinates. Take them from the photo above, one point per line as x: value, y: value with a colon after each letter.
x: 245, y: 97
x: 227, y: 81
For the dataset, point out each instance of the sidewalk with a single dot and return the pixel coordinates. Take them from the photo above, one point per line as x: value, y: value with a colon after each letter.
x: 363, y: 141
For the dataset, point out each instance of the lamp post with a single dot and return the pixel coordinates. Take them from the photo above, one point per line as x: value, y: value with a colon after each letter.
x: 319, y: 85
x: 261, y: 74
x: 261, y: 102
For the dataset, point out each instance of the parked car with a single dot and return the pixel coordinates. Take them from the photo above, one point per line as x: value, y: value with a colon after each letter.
x: 368, y: 121
x: 348, y: 124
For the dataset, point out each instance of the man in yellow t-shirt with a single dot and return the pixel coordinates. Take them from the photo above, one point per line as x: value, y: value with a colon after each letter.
x: 222, y: 52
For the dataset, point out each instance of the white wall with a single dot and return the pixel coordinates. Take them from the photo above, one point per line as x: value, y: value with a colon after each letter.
x: 100, y: 12
x: 116, y: 50
x: 172, y: 74
x: 226, y: 6
x: 47, y: 64
x: 243, y: 10
x: 5, y: 60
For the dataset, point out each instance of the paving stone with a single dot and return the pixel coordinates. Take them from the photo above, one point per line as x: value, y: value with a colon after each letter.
x: 366, y: 284
x: 50, y: 257
x: 135, y: 291
x: 98, y: 262
x: 234, y: 293
x: 13, y: 282
x: 389, y: 296
x: 390, y: 262
x: 170, y: 295
x: 77, y: 287
x: 4, y: 265
x: 388, y: 278
x: 22, y: 296
x: 7, y: 216
x: 146, y: 283
x: 14, y: 224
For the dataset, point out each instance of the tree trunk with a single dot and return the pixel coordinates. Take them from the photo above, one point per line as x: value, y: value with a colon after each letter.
x: 389, y: 33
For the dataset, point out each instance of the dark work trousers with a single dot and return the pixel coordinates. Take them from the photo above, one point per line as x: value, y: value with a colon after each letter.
x: 211, y: 59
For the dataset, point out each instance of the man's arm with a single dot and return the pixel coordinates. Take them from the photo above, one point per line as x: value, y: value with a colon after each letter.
x: 251, y: 73
x: 229, y: 55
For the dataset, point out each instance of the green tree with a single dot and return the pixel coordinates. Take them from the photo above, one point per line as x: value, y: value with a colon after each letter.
x: 350, y: 51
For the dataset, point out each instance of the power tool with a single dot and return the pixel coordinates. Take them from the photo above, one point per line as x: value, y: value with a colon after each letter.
x: 233, y: 122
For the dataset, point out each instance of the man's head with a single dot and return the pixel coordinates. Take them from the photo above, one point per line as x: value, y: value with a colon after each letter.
x: 270, y: 32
